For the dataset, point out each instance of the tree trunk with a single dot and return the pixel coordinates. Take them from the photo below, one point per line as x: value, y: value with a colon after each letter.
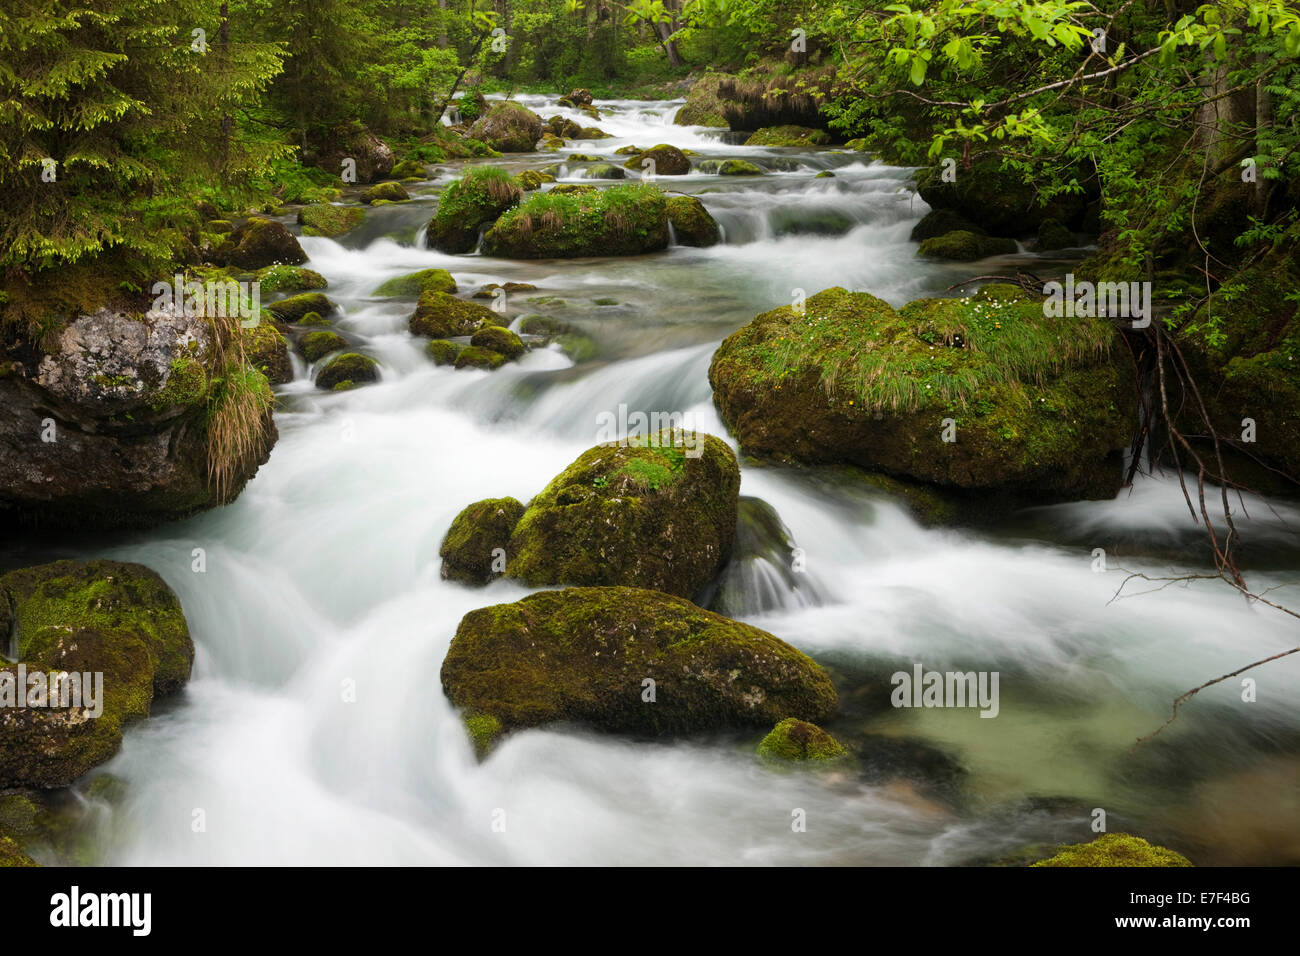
x: 442, y: 25
x: 664, y: 31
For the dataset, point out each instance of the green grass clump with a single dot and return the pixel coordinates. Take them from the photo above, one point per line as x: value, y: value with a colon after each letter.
x: 1116, y: 849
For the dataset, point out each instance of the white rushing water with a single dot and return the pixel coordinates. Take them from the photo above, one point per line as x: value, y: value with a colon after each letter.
x: 323, y: 576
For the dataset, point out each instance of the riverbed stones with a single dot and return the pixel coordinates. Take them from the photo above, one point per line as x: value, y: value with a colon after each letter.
x: 441, y: 315
x: 591, y: 655
x: 347, y: 371
x: 662, y: 160
x: 86, y: 617
x: 474, y: 548
x: 983, y: 395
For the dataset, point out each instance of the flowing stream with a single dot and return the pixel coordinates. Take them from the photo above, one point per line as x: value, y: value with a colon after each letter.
x: 323, y: 576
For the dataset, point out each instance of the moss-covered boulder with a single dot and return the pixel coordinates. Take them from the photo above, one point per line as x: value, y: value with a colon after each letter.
x: 940, y: 222
x: 592, y: 132
x: 474, y: 548
x: 532, y: 179
x: 509, y: 127
x: 289, y: 279
x: 326, y: 219
x: 498, y: 339
x: 292, y: 309
x: 1115, y: 849
x: 667, y: 160
x: 964, y: 246
x: 1053, y: 235
x: 788, y: 136
x: 266, y: 349
x: 314, y: 346
x: 982, y: 395
x: 443, y: 352
x: 476, y: 356
x: 692, y: 224
x: 440, y: 315
x: 621, y: 220
x: 564, y: 128
x: 654, y: 512
x: 347, y: 371
x: 410, y: 169
x: 85, y: 617
x: 389, y: 192
x: 259, y: 242
x: 605, y: 171
x: 703, y: 107
x: 474, y: 201
x: 730, y: 167
x: 627, y: 660
x: 797, y: 740
x: 414, y: 284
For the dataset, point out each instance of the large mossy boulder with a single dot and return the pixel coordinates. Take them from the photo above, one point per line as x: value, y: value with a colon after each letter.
x: 474, y: 547
x: 692, y: 224
x: 294, y: 308
x: 508, y: 127
x: 730, y: 167
x: 661, y: 160
x: 964, y: 246
x: 385, y: 192
x: 289, y: 279
x: 414, y: 284
x: 441, y: 315
x: 259, y: 242
x: 656, y: 512
x: 796, y: 740
x: 267, y: 350
x: 347, y: 371
x: 477, y: 199
x: 352, y: 147
x: 1115, y: 849
x: 85, y: 617
x: 703, y: 108
x: 618, y: 221
x: 314, y: 346
x: 983, y: 395
x: 326, y: 219
x: 801, y: 136
x: 627, y: 660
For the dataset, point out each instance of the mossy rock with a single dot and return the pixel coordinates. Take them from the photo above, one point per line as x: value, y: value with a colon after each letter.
x: 477, y: 199
x: 106, y: 617
x: 499, y: 340
x: 605, y: 171
x: 550, y: 142
x: 326, y: 219
x: 289, y: 279
x: 314, y: 346
x: 692, y: 224
x: 385, y: 192
x: 443, y: 352
x: 563, y: 128
x: 268, y: 352
x: 592, y: 132
x: 484, y: 731
x: 1115, y: 849
x: 788, y: 136
x: 467, y: 549
x: 858, y: 145
x: 703, y: 106
x: 620, y: 220
x: 351, y: 368
x: 582, y: 158
x: 293, y: 308
x: 313, y: 319
x: 995, y: 199
x: 641, y: 514
x: 964, y: 246
x: 415, y: 283
x: 11, y: 854
x: 583, y: 655
x: 260, y: 242
x: 440, y: 315
x: 1041, y: 409
x: 475, y: 356
x: 489, y: 291
x: 531, y: 179
x: 825, y: 174
x: 730, y: 167
x: 571, y: 189
x: 668, y: 161
x: 410, y: 168
x: 508, y: 127
x: 220, y: 227
x: 544, y: 325
x: 1053, y: 235
x: 797, y: 740
x: 940, y: 222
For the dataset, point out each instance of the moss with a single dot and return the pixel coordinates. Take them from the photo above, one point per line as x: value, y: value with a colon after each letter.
x: 482, y: 527
x: 289, y: 279
x: 440, y: 316
x: 825, y: 174
x: 475, y: 356
x: 324, y: 219
x: 408, y: 169
x: 443, y: 352
x: 668, y: 161
x: 499, y: 340
x: 260, y: 242
x: 788, y: 136
x: 940, y: 222
x: 531, y: 179
x: 796, y: 740
x: 476, y: 200
x: 621, y: 220
x: 584, y: 654
x: 508, y: 127
x: 1040, y: 405
x: 187, y: 385
x: 312, y: 318
x: 296, y: 306
x: 385, y: 192
x: 350, y: 367
x: 484, y: 731
x: 415, y: 283
x: 703, y: 107
x: 316, y: 345
x: 692, y: 224
x: 1116, y: 849
x: 268, y: 352
x: 1053, y: 235
x: 962, y: 246
x: 730, y: 167
x: 605, y: 171
x: 637, y: 514
x: 11, y: 854
x: 592, y: 132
